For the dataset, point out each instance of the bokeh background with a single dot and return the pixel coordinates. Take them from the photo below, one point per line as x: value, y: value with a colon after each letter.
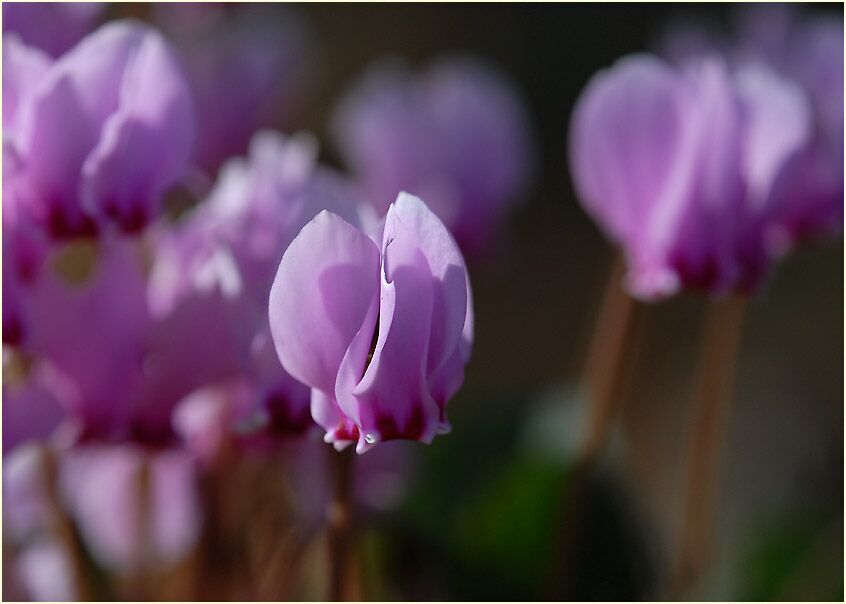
x: 479, y: 515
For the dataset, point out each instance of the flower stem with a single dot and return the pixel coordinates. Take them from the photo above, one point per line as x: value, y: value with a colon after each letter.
x: 606, y: 372
x: 608, y: 361
x: 339, y: 517
x: 64, y: 527
x: 142, y: 583
x: 711, y: 399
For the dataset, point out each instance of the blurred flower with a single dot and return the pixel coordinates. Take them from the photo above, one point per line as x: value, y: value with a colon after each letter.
x: 51, y: 26
x: 457, y: 135
x: 232, y: 244
x: 126, y: 119
x: 102, y: 489
x: 808, y: 50
x: 247, y: 65
x: 90, y: 353
x: 678, y: 167
x: 380, y: 331
x: 116, y: 369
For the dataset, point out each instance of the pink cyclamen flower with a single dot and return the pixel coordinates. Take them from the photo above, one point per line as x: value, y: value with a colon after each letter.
x: 247, y: 65
x: 457, y: 135
x: 380, y: 328
x: 100, y: 487
x: 806, y: 49
x: 99, y: 134
x: 678, y: 166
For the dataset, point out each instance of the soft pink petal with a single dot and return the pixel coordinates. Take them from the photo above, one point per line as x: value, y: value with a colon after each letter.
x: 325, y: 283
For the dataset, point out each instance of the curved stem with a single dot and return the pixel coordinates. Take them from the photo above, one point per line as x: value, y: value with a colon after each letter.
x: 712, y: 395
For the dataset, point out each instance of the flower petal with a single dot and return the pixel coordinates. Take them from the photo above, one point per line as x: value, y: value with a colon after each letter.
x: 779, y: 124
x: 145, y: 144
x: 626, y: 135
x: 423, y: 312
x: 325, y: 284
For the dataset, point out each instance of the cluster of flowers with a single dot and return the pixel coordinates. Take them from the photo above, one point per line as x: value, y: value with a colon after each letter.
x: 136, y: 331
x: 708, y: 164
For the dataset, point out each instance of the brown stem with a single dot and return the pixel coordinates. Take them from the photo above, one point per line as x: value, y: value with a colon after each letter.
x: 142, y: 579
x: 607, y: 368
x: 608, y: 360
x: 339, y: 517
x: 711, y: 399
x: 63, y: 526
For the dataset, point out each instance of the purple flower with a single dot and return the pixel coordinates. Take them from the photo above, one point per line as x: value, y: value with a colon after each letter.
x: 457, y: 135
x: 247, y: 66
x: 116, y: 368
x: 98, y: 135
x: 100, y: 488
x: 231, y: 245
x: 380, y: 328
x: 808, y: 196
x: 678, y: 166
x: 90, y: 354
x: 51, y: 26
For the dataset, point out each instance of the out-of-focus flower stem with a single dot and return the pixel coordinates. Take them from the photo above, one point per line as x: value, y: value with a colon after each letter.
x: 64, y: 528
x: 142, y: 579
x: 607, y: 369
x: 711, y: 399
x: 339, y: 518
x: 608, y: 361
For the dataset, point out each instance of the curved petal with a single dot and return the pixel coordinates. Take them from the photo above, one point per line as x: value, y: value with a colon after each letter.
x: 486, y: 144
x: 246, y: 68
x: 449, y: 275
x: 421, y: 318
x: 326, y: 281
x: 23, y: 68
x: 626, y: 137
x: 384, y: 131
x: 145, y: 145
x: 778, y: 118
x: 75, y: 97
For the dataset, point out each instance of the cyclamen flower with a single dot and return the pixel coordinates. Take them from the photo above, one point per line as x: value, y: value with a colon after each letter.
x: 230, y: 246
x: 247, y: 66
x: 456, y: 135
x: 678, y: 167
x: 807, y: 50
x: 100, y: 488
x: 117, y: 370
x: 380, y: 328
x: 97, y: 136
